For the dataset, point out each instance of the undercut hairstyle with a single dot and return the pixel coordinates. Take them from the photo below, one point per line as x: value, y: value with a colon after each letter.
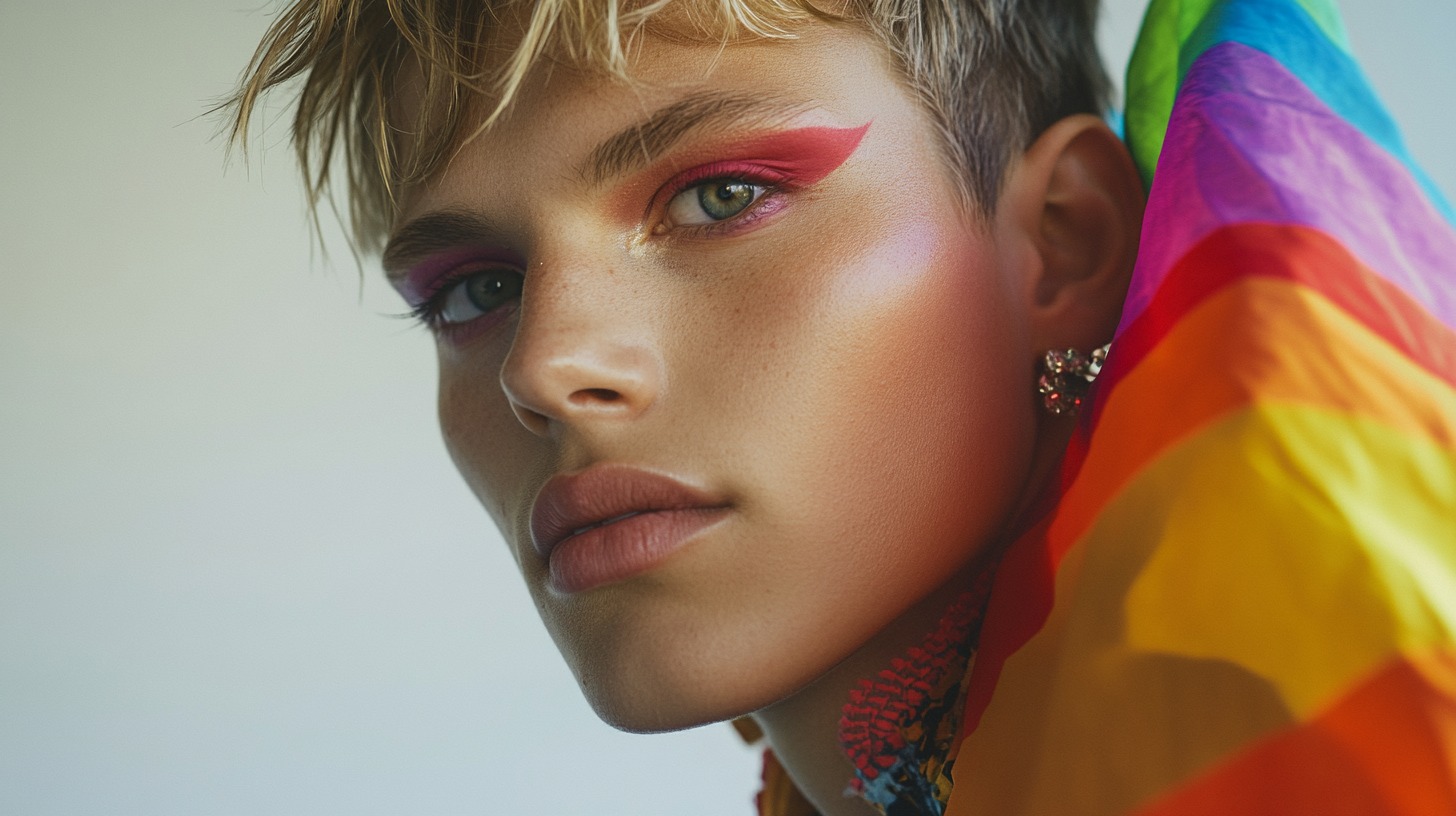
x: 991, y: 74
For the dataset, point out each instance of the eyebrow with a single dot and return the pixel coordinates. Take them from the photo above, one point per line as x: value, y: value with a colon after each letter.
x: 432, y: 233
x: 632, y: 147
x: 639, y: 144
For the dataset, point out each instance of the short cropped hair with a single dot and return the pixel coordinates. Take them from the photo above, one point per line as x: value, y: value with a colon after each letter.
x: 992, y: 74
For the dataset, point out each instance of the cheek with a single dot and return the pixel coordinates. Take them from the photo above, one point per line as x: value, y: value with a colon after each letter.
x: 917, y: 404
x: 494, y: 453
x: 886, y: 338
x: 881, y: 399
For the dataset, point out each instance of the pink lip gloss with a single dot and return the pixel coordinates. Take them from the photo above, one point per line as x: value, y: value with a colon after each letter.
x: 612, y: 521
x: 626, y: 547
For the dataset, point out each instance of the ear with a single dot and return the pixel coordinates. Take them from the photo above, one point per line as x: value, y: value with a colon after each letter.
x: 1076, y: 199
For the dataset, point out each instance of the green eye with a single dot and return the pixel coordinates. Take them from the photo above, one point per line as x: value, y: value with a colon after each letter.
x: 712, y: 201
x: 725, y: 199
x: 480, y: 293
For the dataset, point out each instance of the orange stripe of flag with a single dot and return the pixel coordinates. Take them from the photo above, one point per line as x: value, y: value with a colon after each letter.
x: 1388, y: 748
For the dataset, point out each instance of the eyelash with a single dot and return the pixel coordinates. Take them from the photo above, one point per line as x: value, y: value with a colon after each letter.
x: 429, y: 312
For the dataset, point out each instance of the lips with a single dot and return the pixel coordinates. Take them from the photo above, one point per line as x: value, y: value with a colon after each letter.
x: 610, y: 522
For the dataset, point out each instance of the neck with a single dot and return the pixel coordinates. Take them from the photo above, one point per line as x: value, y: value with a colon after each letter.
x: 804, y: 730
x: 808, y: 731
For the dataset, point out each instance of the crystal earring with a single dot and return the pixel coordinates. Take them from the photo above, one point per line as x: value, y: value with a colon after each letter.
x: 1068, y: 374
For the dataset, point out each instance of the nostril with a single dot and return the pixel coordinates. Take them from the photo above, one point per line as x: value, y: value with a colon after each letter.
x: 594, y: 396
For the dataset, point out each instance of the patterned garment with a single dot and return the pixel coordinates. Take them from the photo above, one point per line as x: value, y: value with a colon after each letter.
x: 898, y: 727
x: 1243, y: 600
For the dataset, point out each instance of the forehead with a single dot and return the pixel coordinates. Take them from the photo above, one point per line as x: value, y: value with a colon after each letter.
x: 566, y: 117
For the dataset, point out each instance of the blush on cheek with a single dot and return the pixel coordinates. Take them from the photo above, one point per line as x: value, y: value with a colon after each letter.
x: 917, y: 260
x: 934, y: 325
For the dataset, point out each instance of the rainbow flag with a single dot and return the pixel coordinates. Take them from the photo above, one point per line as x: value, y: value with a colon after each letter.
x: 1244, y: 599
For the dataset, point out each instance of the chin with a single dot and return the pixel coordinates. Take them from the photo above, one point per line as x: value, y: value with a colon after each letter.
x: 643, y: 702
x: 649, y: 699
x: 646, y: 679
x: 639, y: 713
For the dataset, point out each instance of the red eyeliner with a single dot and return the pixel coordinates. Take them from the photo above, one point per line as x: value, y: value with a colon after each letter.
x: 803, y: 156
x: 792, y: 158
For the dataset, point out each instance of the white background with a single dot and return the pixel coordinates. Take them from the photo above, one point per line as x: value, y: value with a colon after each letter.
x: 237, y: 572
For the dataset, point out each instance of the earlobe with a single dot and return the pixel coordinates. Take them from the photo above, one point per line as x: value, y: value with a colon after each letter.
x: 1079, y: 200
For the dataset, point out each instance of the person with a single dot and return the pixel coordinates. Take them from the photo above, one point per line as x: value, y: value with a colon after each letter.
x: 765, y: 332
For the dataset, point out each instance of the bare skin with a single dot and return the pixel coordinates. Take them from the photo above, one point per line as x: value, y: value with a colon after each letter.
x: 846, y: 363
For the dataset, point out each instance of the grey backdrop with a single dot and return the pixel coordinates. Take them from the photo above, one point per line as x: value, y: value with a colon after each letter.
x: 237, y: 573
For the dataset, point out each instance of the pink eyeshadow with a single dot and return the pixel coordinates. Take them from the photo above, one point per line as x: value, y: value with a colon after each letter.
x: 425, y: 278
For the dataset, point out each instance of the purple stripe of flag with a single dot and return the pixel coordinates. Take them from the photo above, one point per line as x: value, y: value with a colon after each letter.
x: 1248, y: 142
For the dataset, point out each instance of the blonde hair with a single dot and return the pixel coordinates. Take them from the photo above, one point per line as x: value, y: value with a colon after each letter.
x: 991, y: 73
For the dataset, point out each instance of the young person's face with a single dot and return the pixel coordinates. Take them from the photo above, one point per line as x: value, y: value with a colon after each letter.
x: 768, y: 294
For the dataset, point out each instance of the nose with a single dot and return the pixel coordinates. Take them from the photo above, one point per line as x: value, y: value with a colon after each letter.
x: 581, y: 353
